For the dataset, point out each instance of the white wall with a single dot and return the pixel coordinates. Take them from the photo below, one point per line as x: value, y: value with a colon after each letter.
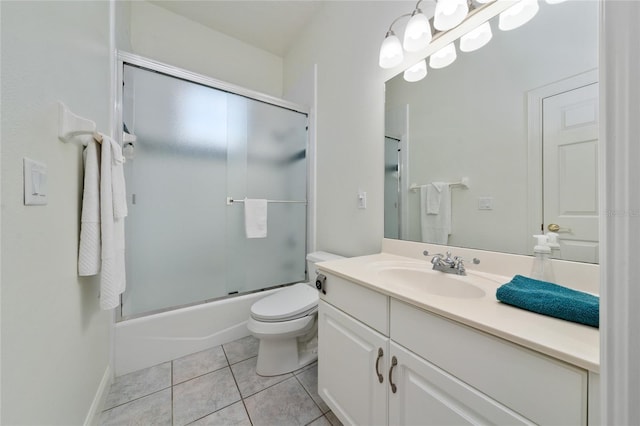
x: 470, y: 119
x: 55, y: 340
x: 162, y: 35
x: 344, y: 40
x: 620, y: 156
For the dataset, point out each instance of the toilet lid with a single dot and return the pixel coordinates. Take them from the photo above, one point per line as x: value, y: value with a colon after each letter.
x: 292, y: 302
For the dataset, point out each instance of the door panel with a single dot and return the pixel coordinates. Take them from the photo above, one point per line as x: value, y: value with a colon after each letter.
x: 427, y: 395
x: 570, y: 171
x: 347, y: 379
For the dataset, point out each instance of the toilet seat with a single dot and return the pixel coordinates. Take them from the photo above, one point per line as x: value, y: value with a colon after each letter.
x: 293, y: 302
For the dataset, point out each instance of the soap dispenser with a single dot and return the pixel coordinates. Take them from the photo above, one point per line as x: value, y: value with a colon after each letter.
x: 552, y: 242
x: 542, y: 268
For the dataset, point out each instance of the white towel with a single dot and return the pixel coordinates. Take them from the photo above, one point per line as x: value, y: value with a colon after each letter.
x: 255, y: 218
x: 112, y: 213
x: 89, y: 253
x: 433, y: 198
x: 436, y: 227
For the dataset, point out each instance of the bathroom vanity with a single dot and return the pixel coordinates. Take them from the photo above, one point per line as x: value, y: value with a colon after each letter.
x: 401, y: 344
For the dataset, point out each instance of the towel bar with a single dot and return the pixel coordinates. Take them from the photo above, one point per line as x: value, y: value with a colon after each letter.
x: 464, y: 183
x: 231, y: 200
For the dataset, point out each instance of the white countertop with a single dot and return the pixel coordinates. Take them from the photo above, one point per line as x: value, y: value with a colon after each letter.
x: 570, y: 342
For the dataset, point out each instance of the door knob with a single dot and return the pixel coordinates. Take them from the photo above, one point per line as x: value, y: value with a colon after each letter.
x: 553, y: 227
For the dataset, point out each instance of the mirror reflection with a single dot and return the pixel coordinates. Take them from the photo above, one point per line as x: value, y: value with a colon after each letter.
x: 501, y: 144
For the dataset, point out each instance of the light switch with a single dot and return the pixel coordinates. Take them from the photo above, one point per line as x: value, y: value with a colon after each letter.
x: 35, y: 182
x: 362, y: 200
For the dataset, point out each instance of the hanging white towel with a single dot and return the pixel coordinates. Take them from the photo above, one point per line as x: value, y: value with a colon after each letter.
x: 255, y: 218
x: 89, y: 253
x: 436, y: 228
x: 433, y: 198
x: 113, y: 210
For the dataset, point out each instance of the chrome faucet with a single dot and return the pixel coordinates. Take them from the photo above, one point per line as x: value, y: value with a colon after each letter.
x: 450, y: 265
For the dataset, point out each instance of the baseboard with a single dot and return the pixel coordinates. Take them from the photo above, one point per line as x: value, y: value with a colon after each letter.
x: 98, y: 401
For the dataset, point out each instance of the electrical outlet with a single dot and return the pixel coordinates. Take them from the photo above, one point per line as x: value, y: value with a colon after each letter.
x: 485, y: 203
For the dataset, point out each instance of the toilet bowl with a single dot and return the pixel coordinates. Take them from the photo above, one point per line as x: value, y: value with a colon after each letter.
x: 285, y: 322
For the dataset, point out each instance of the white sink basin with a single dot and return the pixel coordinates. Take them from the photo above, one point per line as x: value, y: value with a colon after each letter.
x: 420, y: 277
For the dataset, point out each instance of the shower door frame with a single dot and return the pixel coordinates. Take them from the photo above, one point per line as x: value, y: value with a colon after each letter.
x: 125, y: 58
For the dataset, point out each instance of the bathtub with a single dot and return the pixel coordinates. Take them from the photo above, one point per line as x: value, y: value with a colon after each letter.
x: 154, y: 339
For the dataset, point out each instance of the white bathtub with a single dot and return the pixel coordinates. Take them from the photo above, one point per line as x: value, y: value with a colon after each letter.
x: 154, y: 339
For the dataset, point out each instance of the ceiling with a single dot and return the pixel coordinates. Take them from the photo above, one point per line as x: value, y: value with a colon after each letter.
x: 271, y: 25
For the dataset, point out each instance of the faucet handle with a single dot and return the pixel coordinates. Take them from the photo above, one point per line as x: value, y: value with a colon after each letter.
x: 459, y: 259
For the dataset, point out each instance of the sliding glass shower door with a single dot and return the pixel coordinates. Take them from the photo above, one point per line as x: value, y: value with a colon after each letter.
x: 195, y: 147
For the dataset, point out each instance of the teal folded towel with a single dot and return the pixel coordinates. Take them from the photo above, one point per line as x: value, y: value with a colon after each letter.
x: 551, y: 299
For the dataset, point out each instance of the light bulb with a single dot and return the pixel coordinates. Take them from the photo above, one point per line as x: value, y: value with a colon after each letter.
x: 443, y: 57
x: 390, y: 51
x: 417, y: 34
x: 449, y: 13
x: 475, y: 39
x: 417, y: 72
x: 518, y: 14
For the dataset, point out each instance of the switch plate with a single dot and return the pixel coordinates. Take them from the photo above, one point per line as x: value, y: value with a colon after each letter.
x: 362, y: 200
x: 485, y: 203
x: 35, y: 183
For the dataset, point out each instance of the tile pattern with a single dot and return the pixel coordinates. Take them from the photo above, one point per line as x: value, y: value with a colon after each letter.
x: 217, y: 386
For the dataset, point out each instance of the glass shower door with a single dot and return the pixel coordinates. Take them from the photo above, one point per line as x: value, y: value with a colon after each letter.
x: 267, y: 159
x: 196, y: 146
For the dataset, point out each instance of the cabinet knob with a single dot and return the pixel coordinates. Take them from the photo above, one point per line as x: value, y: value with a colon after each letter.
x: 380, y: 354
x: 394, y: 362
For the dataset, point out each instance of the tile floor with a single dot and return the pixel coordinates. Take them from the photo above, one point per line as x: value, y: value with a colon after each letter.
x: 218, y: 386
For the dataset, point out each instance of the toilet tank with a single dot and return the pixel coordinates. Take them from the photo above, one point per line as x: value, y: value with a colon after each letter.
x: 318, y: 256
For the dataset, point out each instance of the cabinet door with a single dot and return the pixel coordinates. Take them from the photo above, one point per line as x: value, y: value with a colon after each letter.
x: 347, y: 358
x: 427, y: 395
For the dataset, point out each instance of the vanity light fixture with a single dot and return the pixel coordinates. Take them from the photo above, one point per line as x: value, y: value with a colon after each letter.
x: 418, y: 32
x: 449, y: 14
x: 443, y: 57
x: 476, y: 38
x: 518, y: 14
x: 416, y: 72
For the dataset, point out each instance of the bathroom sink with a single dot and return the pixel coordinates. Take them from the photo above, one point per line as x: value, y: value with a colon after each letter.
x: 420, y: 277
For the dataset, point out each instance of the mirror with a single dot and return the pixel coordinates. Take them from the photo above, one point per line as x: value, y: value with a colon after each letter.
x: 521, y: 108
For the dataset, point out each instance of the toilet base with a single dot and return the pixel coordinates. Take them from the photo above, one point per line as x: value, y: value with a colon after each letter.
x: 278, y: 356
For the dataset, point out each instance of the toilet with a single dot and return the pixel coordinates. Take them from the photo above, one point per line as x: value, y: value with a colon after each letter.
x: 285, y: 322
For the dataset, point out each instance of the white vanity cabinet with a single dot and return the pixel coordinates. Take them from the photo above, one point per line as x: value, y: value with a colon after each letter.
x: 382, y: 361
x: 428, y: 395
x: 352, y: 356
x: 347, y: 380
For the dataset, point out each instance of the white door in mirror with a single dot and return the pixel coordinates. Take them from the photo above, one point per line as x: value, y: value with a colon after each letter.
x: 570, y: 170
